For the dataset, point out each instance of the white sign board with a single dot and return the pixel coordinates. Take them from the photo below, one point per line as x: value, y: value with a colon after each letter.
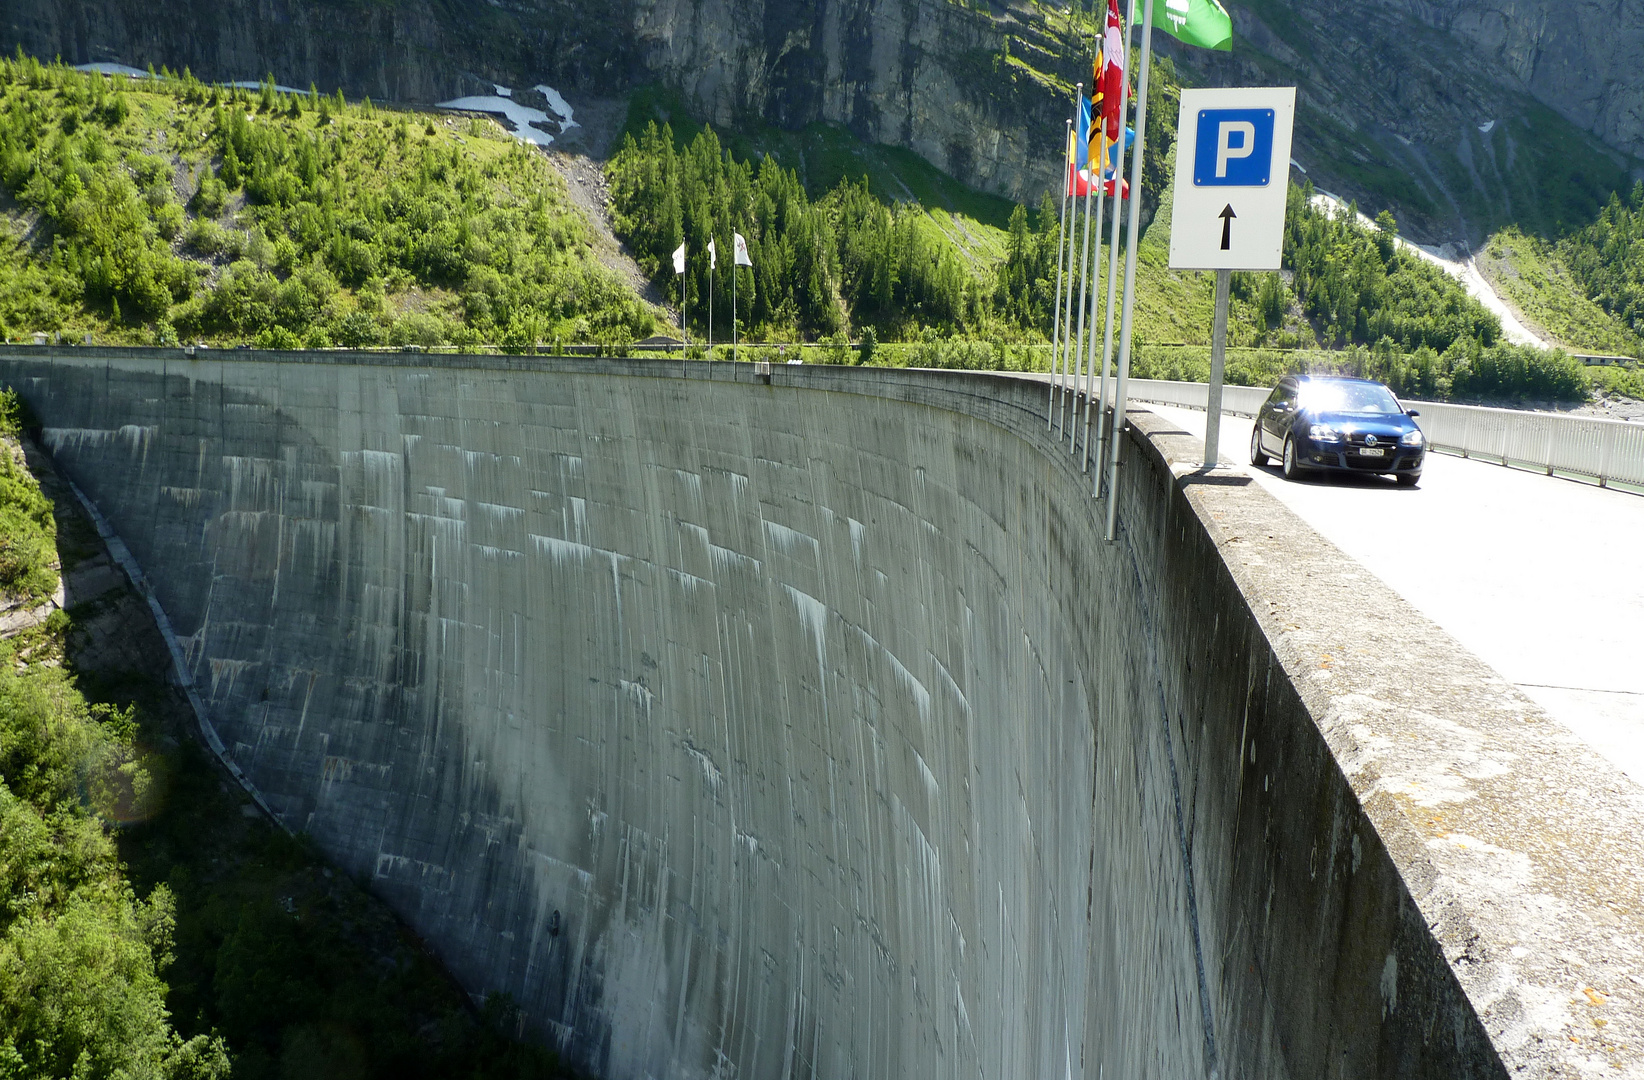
x: 1232, y: 178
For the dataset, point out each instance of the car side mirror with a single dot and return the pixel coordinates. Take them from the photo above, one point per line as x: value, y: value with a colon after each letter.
x: 1412, y: 412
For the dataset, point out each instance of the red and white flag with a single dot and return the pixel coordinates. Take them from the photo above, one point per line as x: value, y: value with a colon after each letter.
x: 1113, y: 76
x: 1103, y: 130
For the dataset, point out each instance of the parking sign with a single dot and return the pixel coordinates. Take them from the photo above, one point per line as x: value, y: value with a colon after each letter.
x: 1232, y: 177
x: 1234, y: 148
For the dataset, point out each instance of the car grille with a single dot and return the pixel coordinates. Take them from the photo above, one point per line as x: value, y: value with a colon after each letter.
x: 1373, y: 464
x: 1387, y: 443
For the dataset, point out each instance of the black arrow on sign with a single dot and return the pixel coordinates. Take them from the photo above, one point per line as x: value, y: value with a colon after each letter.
x: 1227, y: 215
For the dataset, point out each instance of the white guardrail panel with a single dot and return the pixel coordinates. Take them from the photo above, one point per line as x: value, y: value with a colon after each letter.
x: 1608, y: 451
x: 1238, y: 400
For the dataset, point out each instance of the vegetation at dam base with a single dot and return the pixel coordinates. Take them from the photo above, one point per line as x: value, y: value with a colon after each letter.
x: 81, y: 954
x: 148, y: 926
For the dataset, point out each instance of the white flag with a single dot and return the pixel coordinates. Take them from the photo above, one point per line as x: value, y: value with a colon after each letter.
x: 679, y: 260
x: 742, y: 251
x: 713, y: 256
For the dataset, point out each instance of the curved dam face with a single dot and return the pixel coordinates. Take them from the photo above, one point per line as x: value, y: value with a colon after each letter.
x: 767, y: 731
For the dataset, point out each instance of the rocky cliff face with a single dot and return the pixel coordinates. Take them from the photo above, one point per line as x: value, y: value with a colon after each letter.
x: 1584, y: 58
x: 1460, y: 115
x: 926, y: 75
x: 401, y: 50
x: 1398, y: 95
x: 930, y: 76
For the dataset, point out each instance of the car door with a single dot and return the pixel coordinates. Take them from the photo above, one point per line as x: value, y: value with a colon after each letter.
x: 1274, y: 416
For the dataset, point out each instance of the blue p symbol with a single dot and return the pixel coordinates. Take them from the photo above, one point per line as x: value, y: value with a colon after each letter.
x: 1233, y: 148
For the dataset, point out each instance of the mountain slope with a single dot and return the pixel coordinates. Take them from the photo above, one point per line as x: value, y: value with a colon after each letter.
x: 1410, y: 107
x: 167, y: 207
x: 1460, y: 115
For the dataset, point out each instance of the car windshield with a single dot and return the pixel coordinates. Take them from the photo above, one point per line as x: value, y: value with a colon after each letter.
x: 1349, y: 397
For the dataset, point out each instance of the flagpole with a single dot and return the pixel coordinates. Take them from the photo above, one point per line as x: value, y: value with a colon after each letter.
x: 1130, y: 273
x: 1072, y: 242
x: 1095, y: 285
x: 1099, y: 173
x: 1078, y: 340
x: 733, y: 301
x: 712, y: 258
x: 1113, y: 262
x: 1098, y: 167
x: 684, y: 320
x: 1061, y: 234
x: 1062, y: 407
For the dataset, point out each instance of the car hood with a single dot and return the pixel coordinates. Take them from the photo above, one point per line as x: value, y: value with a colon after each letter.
x: 1374, y: 424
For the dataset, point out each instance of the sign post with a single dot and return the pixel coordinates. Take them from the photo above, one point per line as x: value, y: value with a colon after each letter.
x: 1218, y: 359
x: 1232, y: 180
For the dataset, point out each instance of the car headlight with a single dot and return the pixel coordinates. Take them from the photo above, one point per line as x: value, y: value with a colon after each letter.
x: 1412, y: 438
x: 1324, y: 433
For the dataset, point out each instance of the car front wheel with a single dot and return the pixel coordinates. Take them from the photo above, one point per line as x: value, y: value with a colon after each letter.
x: 1292, y: 467
x: 1256, y: 455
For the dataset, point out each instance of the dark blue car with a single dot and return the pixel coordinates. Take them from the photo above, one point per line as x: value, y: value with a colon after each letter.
x: 1326, y: 423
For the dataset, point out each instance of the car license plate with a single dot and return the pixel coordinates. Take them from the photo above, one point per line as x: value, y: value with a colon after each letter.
x: 1372, y: 451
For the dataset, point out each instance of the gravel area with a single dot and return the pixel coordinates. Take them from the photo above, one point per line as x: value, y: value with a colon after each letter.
x: 580, y: 155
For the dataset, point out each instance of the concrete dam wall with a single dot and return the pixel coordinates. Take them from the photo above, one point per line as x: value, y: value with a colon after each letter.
x: 807, y: 729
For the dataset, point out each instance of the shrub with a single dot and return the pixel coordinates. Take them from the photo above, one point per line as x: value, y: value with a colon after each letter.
x: 28, y: 531
x: 417, y: 328
x: 210, y: 197
x: 81, y: 954
x: 359, y: 330
x: 278, y: 337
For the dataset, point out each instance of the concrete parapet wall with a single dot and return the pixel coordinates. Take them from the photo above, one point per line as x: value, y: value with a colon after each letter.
x: 808, y: 728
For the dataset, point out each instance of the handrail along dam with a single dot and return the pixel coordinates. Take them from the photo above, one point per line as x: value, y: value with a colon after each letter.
x: 811, y: 728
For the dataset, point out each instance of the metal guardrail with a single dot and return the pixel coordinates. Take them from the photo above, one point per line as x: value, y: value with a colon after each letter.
x: 1238, y: 400
x: 1608, y: 452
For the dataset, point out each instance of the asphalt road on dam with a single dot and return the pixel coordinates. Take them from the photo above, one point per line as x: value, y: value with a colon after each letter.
x: 1528, y: 571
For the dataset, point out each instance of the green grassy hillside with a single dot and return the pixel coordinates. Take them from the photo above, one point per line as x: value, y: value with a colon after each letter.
x: 171, y: 210
x: 148, y: 212
x: 868, y: 258
x: 1531, y: 274
x: 824, y: 155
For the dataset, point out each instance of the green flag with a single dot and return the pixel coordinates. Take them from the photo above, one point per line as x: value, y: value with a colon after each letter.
x: 1204, y: 23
